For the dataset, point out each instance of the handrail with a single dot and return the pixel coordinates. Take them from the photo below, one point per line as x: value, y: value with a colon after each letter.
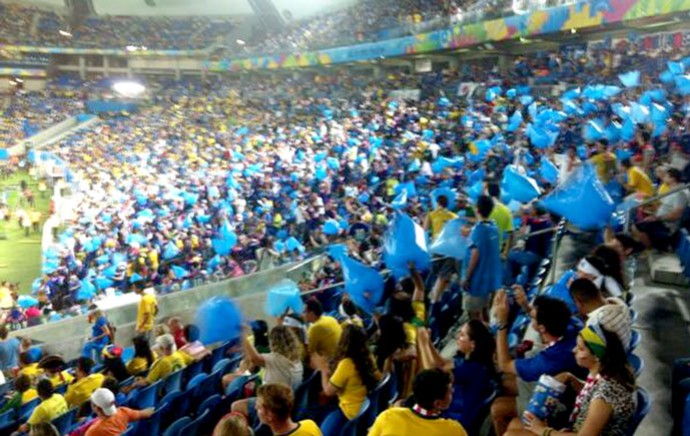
x: 660, y: 196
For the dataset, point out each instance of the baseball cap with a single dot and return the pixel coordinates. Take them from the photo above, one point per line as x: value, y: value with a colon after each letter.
x: 104, y: 400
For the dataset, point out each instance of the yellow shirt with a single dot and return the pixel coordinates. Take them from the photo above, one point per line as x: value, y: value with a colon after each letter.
x: 166, y: 365
x: 29, y: 395
x: 323, y: 336
x: 663, y: 188
x: 351, y: 390
x: 605, y: 165
x: 400, y: 421
x: 32, y: 370
x: 80, y: 391
x: 438, y: 219
x: 48, y: 410
x: 306, y: 428
x: 640, y: 182
x: 66, y: 378
x: 410, y: 328
x: 137, y: 365
x: 147, y: 306
x: 503, y: 218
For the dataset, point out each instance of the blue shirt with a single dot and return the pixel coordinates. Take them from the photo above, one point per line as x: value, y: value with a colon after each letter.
x: 9, y: 353
x: 472, y: 385
x: 487, y: 275
x: 554, y: 359
x: 97, y: 329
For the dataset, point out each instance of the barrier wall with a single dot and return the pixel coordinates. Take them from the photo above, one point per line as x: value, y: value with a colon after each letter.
x: 66, y: 337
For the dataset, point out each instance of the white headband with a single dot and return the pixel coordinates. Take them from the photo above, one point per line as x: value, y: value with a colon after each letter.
x: 611, y: 284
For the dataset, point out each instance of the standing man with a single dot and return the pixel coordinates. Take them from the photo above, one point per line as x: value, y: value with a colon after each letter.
x: 484, y: 271
x: 444, y: 269
x: 146, y: 312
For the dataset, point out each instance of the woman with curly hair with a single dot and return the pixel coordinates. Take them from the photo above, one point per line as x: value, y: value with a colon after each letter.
x: 353, y: 377
x: 283, y: 364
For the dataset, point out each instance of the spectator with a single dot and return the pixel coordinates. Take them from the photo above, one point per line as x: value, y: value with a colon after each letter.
x: 110, y: 419
x: 44, y: 429
x: 169, y: 361
x: 444, y: 268
x: 28, y: 367
x: 100, y: 335
x: 9, y: 350
x: 274, y: 407
x: 657, y: 230
x: 143, y: 357
x: 635, y: 180
x: 282, y: 365
x: 474, y: 378
x: 355, y: 375
x: 391, y: 342
x: 536, y: 246
x: 503, y: 217
x: 432, y: 396
x: 606, y: 401
x: 604, y: 161
x: 23, y: 393
x: 113, y: 366
x: 483, y: 270
x: 177, y: 329
x: 54, y: 370
x: 348, y: 313
x: 146, y: 312
x: 611, y: 313
x: 52, y: 405
x: 233, y: 424
x: 551, y: 319
x: 324, y: 331
x: 84, y: 383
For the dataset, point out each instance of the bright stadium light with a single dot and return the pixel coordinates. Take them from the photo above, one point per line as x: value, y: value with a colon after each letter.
x: 65, y: 33
x: 240, y: 42
x: 128, y: 88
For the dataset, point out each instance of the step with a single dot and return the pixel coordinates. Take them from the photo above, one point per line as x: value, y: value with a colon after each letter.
x: 665, y: 268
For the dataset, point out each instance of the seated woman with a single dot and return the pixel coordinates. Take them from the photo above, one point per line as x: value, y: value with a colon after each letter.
x: 474, y: 375
x: 606, y: 401
x: 282, y: 365
x: 113, y: 366
x: 354, y: 377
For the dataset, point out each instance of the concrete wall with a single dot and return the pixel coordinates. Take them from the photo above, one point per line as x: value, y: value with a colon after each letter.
x: 66, y: 337
x: 44, y: 135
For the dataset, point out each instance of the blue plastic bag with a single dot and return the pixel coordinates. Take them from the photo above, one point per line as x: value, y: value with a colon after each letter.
x: 337, y: 251
x: 282, y: 297
x: 520, y: 187
x: 179, y: 272
x: 331, y: 227
x: 363, y: 284
x: 450, y: 194
x: 405, y: 242
x: 581, y: 199
x: 450, y: 241
x: 86, y: 291
x: 475, y: 190
x: 400, y: 201
x: 170, y: 251
x: 548, y: 171
x: 630, y: 79
x: 293, y: 244
x: 219, y: 319
x: 408, y: 187
x: 221, y: 246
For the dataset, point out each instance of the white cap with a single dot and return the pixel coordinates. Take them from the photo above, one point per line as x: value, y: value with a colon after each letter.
x: 104, y: 400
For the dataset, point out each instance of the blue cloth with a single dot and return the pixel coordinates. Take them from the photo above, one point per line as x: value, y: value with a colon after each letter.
x: 9, y: 353
x: 561, y: 291
x: 487, y: 275
x: 552, y: 360
x: 97, y: 330
x: 472, y: 384
x: 35, y: 354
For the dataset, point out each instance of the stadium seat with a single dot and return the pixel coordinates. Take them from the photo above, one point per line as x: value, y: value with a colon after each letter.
x: 221, y: 366
x: 65, y: 421
x: 196, y: 380
x: 209, y: 404
x: 178, y: 405
x: 61, y: 389
x: 636, y: 363
x: 173, y: 382
x: 7, y: 417
x: 194, y: 427
x: 633, y: 315
x: 203, y: 386
x: 359, y: 424
x: 5, y: 388
x: 176, y: 427
x: 381, y: 395
x: 635, y: 339
x: 127, y: 354
x: 27, y: 408
x: 190, y: 372
x: 146, y: 397
x: 131, y: 430
x: 644, y: 405
x: 482, y: 413
x: 305, y: 394
x: 152, y: 425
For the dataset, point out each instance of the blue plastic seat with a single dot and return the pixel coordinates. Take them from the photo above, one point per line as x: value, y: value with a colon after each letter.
x: 195, y: 427
x: 8, y: 417
x: 151, y: 425
x: 65, y: 421
x: 360, y: 423
x: 178, y: 405
x: 644, y: 405
x: 209, y: 404
x: 205, y: 387
x: 379, y: 404
x: 194, y: 382
x: 190, y: 372
x: 305, y: 395
x: 635, y: 339
x: 173, y: 382
x: 176, y: 427
x: 482, y: 413
x: 221, y: 365
x: 636, y: 363
x: 27, y: 409
x: 146, y: 397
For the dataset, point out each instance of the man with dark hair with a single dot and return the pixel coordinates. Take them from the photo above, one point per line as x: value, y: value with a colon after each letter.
x: 656, y: 230
x: 324, y: 332
x: 52, y: 405
x: 432, y: 394
x: 551, y: 319
x: 611, y: 313
x: 274, y: 403
x: 446, y: 267
x: 637, y: 182
x: 483, y: 273
x: 84, y: 383
x: 438, y: 217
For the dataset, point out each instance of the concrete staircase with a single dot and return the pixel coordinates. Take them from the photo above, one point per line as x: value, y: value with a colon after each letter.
x: 666, y: 269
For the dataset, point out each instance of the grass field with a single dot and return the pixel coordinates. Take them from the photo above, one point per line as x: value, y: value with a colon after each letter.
x: 20, y: 256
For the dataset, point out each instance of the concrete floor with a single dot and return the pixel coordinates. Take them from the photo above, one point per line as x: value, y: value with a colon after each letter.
x: 664, y: 322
